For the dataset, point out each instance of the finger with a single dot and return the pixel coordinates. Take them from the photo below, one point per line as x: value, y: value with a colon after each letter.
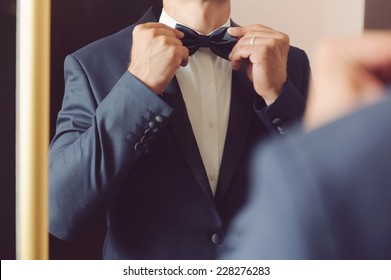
x: 242, y: 31
x: 237, y: 63
x: 258, y: 27
x: 238, y: 57
x: 185, y: 56
x: 179, y: 34
x: 184, y: 62
x: 258, y: 38
x: 246, y: 49
x: 235, y: 31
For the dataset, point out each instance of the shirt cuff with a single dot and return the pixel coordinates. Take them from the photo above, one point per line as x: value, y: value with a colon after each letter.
x: 287, y: 108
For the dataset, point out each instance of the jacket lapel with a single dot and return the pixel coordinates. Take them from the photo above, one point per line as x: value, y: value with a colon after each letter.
x: 241, y: 113
x: 183, y: 132
x: 180, y: 123
x: 151, y: 15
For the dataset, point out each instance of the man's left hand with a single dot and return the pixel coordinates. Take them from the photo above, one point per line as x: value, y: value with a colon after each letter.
x: 266, y: 53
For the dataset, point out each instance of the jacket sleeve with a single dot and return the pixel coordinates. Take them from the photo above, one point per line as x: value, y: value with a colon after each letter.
x: 290, y: 104
x: 96, y: 143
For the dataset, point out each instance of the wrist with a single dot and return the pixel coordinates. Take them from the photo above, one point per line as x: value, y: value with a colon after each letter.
x: 154, y: 87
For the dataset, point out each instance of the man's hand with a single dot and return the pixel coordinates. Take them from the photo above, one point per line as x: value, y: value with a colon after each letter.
x: 266, y: 53
x: 157, y: 53
x: 348, y: 74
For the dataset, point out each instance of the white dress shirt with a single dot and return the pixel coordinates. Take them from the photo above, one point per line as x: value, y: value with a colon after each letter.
x: 206, y: 89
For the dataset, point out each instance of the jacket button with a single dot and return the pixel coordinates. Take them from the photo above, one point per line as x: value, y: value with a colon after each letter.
x: 279, y: 126
x: 139, y: 147
x: 149, y: 133
x: 281, y: 130
x: 145, y: 140
x: 159, y: 119
x: 152, y: 125
x: 217, y: 239
x: 277, y: 122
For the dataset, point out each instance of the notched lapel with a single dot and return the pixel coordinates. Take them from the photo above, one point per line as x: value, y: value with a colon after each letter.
x: 241, y: 112
x: 183, y: 132
x: 240, y: 117
x: 180, y: 123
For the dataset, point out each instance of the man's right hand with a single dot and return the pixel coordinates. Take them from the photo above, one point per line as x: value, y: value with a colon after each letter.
x: 157, y: 53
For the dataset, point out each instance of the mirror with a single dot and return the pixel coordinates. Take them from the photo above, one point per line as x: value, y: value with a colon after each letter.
x: 76, y: 22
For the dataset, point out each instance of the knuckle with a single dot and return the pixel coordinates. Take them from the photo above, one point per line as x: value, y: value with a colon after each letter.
x: 177, y: 58
x: 185, y: 51
x: 272, y: 43
x: 255, y: 26
x: 163, y: 40
x: 137, y: 29
x: 152, y: 32
x: 284, y: 38
x: 258, y: 26
x: 171, y: 52
x: 266, y: 50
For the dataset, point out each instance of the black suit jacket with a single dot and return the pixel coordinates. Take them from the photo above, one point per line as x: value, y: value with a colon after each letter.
x: 321, y: 195
x: 120, y: 146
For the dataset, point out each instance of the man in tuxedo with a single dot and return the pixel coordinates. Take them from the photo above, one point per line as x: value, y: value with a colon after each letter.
x: 325, y: 193
x: 162, y: 141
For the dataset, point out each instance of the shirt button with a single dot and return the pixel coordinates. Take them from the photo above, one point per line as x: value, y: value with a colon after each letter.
x: 212, y: 177
x: 209, y: 79
x: 211, y: 124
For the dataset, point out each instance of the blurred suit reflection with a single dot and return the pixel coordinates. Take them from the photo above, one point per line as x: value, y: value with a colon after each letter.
x: 325, y: 194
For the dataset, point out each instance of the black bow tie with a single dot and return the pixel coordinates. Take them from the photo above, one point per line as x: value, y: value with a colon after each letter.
x: 220, y: 42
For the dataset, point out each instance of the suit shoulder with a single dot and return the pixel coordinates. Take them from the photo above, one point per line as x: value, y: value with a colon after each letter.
x: 116, y: 44
x: 296, y: 50
x: 105, y: 59
x: 297, y: 56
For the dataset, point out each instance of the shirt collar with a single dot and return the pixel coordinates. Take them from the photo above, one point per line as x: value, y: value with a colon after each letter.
x: 171, y: 22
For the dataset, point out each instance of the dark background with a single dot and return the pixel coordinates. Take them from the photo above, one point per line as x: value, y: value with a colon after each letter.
x: 74, y: 24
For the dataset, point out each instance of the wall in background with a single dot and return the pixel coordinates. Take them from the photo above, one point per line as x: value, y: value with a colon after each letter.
x: 76, y: 23
x: 305, y: 21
